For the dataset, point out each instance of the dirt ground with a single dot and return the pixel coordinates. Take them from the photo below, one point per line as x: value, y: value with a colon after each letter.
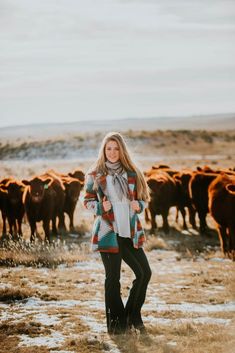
x: 52, y: 296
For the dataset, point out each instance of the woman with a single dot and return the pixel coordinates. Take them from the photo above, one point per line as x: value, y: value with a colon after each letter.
x: 116, y: 192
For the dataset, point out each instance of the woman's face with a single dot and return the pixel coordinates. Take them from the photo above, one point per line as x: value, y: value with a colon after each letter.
x: 112, y: 152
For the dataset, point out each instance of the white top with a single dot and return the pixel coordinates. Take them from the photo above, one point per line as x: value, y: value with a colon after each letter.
x: 121, y: 210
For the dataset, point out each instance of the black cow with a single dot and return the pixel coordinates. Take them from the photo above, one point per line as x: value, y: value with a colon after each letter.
x: 40, y: 203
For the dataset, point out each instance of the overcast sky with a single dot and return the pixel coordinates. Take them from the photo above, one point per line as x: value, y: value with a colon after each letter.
x: 70, y: 60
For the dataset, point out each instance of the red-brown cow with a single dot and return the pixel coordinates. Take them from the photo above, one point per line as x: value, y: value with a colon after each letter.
x: 3, y: 206
x: 198, y: 190
x: 40, y: 203
x: 222, y: 209
x: 73, y: 188
x: 59, y: 188
x: 160, y: 167
x: 183, y: 178
x: 78, y: 174
x: 72, y: 192
x: 12, y: 206
x: 163, y: 195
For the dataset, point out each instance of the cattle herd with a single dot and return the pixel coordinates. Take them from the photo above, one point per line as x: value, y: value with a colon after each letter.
x: 44, y: 198
x: 201, y: 191
x: 49, y: 196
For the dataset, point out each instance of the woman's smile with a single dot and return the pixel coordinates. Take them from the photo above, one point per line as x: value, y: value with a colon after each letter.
x: 112, y: 152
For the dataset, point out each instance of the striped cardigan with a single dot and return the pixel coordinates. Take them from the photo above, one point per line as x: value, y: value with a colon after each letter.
x: 104, y: 238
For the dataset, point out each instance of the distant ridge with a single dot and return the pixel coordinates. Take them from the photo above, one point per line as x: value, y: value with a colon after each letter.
x: 200, y: 122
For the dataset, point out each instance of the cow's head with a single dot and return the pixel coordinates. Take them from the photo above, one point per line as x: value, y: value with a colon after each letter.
x: 15, y: 191
x: 155, y: 184
x: 37, y: 187
x: 79, y: 175
x: 73, y: 189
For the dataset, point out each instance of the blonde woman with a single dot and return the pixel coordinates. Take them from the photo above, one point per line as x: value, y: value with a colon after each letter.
x: 116, y: 192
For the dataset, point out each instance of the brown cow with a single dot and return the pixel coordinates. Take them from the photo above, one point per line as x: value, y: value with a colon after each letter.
x: 59, y: 188
x: 163, y: 195
x: 198, y: 190
x: 72, y: 192
x: 40, y: 203
x: 222, y: 209
x: 73, y: 186
x: 183, y: 179
x: 78, y: 174
x: 3, y: 208
x: 161, y: 168
x: 12, y: 205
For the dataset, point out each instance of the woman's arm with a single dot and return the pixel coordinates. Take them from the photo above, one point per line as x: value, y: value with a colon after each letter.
x: 141, y: 203
x: 91, y: 201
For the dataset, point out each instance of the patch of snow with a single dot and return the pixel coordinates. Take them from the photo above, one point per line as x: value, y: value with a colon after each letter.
x: 47, y: 320
x: 171, y: 343
x: 197, y: 320
x: 61, y: 351
x: 95, y: 326
x: 220, y: 259
x: 35, y: 302
x: 56, y: 339
x: 94, y: 304
x: 15, y: 317
x: 62, y: 266
x: 192, y: 307
x: 154, y: 301
x: 5, y: 285
x: 89, y: 265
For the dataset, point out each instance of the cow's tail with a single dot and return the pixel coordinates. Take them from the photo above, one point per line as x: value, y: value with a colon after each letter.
x: 147, y: 215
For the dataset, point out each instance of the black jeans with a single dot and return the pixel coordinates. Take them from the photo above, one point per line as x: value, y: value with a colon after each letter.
x: 119, y: 317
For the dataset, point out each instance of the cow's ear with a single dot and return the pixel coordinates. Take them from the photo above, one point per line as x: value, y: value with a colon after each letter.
x: 25, y: 182
x: 231, y: 188
x: 47, y: 182
x: 3, y: 187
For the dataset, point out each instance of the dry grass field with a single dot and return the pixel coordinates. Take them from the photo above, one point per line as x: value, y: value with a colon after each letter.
x: 52, y: 296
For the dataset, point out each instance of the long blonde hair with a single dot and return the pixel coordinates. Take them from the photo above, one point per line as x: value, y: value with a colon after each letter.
x: 100, y: 167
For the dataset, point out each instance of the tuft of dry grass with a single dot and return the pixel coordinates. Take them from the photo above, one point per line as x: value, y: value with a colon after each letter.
x: 12, y: 294
x: 41, y: 254
x: 155, y: 242
x: 31, y: 328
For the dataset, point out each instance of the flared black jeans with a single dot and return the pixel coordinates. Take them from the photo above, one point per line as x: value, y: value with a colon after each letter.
x: 118, y: 316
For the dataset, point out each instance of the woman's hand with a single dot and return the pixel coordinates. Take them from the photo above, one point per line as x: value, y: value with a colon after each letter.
x: 106, y: 204
x: 135, y: 205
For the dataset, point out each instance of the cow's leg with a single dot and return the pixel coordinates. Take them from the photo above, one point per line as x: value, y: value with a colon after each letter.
x: 165, y: 221
x: 71, y: 225
x: 182, y: 211
x: 231, y: 239
x: 153, y: 220
x: 61, y: 224
x: 177, y: 214
x: 12, y: 226
x: 223, y: 239
x: 4, y: 226
x: 46, y: 227
x: 33, y: 229
x: 192, y: 215
x: 202, y: 217
x: 54, y: 228
x: 19, y: 221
